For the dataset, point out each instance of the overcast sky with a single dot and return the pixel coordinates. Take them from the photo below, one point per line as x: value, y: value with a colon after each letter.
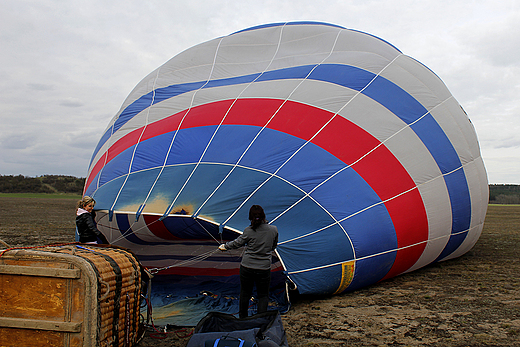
x: 67, y: 65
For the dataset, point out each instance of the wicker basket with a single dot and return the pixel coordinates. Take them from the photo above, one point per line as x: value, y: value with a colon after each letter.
x: 73, y: 295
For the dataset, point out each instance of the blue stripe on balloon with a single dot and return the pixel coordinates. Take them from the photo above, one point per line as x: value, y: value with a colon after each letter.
x: 383, y: 91
x: 459, y: 202
x: 297, y: 72
x: 101, y: 142
x: 93, y: 185
x: 133, y: 109
x: 220, y: 151
x: 117, y: 167
x: 371, y: 268
x: 454, y: 242
x: 168, y: 92
x: 344, y: 75
x: 126, y: 230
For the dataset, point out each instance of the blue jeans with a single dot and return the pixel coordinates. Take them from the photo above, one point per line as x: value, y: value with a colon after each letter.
x: 248, y: 278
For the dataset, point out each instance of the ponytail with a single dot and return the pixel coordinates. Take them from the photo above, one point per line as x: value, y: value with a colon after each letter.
x: 85, y: 201
x: 256, y: 216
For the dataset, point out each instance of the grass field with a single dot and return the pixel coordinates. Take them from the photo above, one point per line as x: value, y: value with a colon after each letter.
x: 38, y: 221
x: 473, y: 300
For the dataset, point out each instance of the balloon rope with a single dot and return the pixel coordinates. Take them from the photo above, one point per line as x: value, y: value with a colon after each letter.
x: 202, y: 226
x: 193, y: 260
x: 129, y: 231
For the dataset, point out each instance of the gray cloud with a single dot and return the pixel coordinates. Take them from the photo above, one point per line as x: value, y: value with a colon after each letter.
x: 23, y: 141
x: 71, y: 103
x: 512, y: 142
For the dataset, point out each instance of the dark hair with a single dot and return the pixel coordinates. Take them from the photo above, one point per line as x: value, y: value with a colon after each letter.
x: 256, y: 216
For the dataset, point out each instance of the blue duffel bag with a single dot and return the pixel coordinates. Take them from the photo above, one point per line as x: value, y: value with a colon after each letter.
x: 263, y: 330
x: 229, y: 341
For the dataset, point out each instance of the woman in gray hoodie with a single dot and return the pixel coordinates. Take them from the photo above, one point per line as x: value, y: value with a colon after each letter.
x: 260, y: 240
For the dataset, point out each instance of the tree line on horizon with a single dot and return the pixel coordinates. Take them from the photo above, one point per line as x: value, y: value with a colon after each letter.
x: 504, y: 194
x: 48, y: 184
x: 56, y: 184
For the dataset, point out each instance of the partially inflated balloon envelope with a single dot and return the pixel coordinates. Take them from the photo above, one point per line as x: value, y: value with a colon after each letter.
x: 358, y: 153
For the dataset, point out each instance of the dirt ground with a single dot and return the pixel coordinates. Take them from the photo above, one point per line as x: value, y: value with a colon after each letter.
x: 473, y: 300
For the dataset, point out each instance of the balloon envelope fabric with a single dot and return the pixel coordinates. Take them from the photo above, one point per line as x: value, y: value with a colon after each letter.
x: 358, y: 153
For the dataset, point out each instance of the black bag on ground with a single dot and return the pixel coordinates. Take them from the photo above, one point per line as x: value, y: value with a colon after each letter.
x: 266, y: 329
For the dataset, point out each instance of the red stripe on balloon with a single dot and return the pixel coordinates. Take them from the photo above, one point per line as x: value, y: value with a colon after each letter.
x: 388, y: 178
x: 99, y: 165
x: 411, y: 224
x: 158, y: 228
x: 113, y: 151
x: 164, y: 125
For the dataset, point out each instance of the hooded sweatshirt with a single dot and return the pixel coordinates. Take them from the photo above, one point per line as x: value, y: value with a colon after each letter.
x: 87, y: 230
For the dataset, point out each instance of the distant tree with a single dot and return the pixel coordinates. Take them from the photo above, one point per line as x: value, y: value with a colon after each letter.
x: 507, y: 199
x: 504, y: 193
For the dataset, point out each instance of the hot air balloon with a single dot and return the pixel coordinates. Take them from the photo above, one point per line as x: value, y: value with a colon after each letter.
x: 358, y: 153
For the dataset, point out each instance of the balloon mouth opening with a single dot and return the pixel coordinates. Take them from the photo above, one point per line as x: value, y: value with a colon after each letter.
x: 181, y: 211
